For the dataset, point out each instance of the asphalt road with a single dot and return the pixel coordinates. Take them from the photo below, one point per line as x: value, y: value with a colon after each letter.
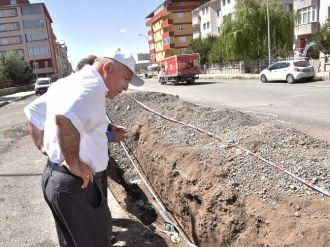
x: 25, y: 219
x: 304, y: 105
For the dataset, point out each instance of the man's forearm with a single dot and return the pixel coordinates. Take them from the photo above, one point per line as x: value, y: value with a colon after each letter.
x: 68, y: 140
x: 37, y: 135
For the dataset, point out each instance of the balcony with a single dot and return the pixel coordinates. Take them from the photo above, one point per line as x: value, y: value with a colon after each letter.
x: 167, y: 34
x: 150, y: 32
x: 196, y: 21
x: 197, y: 35
x: 309, y: 28
x: 168, y: 46
x: 43, y: 70
x: 167, y: 23
x: 152, y: 51
x: 305, y: 3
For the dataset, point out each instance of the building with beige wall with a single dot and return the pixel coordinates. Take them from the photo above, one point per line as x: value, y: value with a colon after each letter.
x: 26, y: 28
x: 170, y: 28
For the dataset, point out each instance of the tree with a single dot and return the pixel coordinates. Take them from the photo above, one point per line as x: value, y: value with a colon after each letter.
x: 245, y: 35
x: 14, y: 70
x: 203, y: 47
x: 322, y: 39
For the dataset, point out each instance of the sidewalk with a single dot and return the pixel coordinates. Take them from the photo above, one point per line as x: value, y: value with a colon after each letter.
x: 6, y: 99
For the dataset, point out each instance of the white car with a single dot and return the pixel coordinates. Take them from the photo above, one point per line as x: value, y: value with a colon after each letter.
x: 290, y: 71
x: 42, y: 85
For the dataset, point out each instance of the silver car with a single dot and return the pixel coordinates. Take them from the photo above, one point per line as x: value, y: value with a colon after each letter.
x: 290, y: 71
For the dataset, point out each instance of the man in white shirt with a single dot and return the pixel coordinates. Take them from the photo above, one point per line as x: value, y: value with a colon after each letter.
x: 69, y: 124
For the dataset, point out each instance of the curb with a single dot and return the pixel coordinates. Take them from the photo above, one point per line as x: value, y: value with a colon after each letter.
x: 3, y: 103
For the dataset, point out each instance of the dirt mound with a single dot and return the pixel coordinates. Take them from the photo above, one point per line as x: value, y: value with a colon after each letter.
x: 225, y: 197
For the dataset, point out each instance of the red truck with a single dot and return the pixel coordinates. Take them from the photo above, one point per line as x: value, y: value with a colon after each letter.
x: 179, y: 68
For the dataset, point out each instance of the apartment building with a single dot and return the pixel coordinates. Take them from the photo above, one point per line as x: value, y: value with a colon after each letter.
x: 205, y: 20
x: 26, y: 28
x: 170, y: 28
x: 65, y: 67
x: 324, y: 11
x: 307, y: 25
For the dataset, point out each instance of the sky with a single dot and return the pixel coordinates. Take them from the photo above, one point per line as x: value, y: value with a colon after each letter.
x: 99, y: 26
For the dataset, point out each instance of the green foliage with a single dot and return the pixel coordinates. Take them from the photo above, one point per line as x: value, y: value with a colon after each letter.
x: 322, y: 39
x: 14, y: 70
x: 245, y: 35
x: 203, y: 47
x: 313, y: 52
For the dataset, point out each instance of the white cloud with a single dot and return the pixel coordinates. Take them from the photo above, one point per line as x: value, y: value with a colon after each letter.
x: 122, y: 30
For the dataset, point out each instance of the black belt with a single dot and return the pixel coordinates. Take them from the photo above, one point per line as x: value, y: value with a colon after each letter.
x: 63, y: 169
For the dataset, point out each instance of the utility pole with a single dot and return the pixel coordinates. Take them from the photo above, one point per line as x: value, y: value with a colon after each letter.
x: 268, y: 30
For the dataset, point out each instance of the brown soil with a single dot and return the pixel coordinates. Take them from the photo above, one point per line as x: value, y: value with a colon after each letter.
x: 224, y: 197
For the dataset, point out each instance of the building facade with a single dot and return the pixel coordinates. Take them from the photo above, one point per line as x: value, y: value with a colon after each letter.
x: 307, y: 24
x: 26, y: 28
x: 205, y: 20
x: 65, y: 67
x: 170, y: 28
x: 324, y: 11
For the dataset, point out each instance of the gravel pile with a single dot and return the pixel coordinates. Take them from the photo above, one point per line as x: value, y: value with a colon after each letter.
x: 296, y: 152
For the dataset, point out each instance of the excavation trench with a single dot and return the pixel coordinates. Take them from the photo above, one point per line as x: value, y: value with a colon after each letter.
x: 223, y: 197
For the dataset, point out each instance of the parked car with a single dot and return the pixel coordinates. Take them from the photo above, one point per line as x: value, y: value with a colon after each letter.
x: 42, y: 84
x: 290, y: 71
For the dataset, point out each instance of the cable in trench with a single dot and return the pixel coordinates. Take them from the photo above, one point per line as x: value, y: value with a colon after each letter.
x: 234, y: 144
x: 171, y: 225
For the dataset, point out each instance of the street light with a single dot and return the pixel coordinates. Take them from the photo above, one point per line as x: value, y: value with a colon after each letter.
x: 33, y: 53
x: 268, y: 30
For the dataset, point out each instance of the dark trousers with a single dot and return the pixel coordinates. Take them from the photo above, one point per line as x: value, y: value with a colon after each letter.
x: 82, y: 216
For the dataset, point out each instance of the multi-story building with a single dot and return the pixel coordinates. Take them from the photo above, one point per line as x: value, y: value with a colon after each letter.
x: 170, y: 28
x: 205, y: 20
x: 307, y: 24
x: 65, y: 67
x: 324, y: 11
x: 26, y: 28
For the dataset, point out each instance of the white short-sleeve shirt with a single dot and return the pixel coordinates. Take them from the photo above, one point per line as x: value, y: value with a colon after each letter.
x: 81, y: 98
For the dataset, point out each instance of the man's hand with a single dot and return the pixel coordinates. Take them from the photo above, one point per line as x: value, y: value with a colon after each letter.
x: 121, y: 133
x: 81, y: 170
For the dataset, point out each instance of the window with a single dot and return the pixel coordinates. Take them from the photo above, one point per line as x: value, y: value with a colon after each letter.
x: 9, y: 27
x: 204, y: 26
x: 168, y: 40
x: 28, y: 24
x: 181, y: 27
x: 288, y: 7
x: 8, y: 12
x: 329, y: 13
x: 207, y: 10
x: 208, y: 25
x: 228, y: 1
x: 36, y: 36
x: 223, y: 2
x: 182, y: 39
x: 307, y: 15
x: 180, y: 15
x: 301, y: 64
x: 284, y: 65
x: 46, y: 64
x: 11, y: 40
x: 275, y: 66
x: 38, y: 50
x: 13, y: 2
x: 218, y: 13
x: 31, y: 10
